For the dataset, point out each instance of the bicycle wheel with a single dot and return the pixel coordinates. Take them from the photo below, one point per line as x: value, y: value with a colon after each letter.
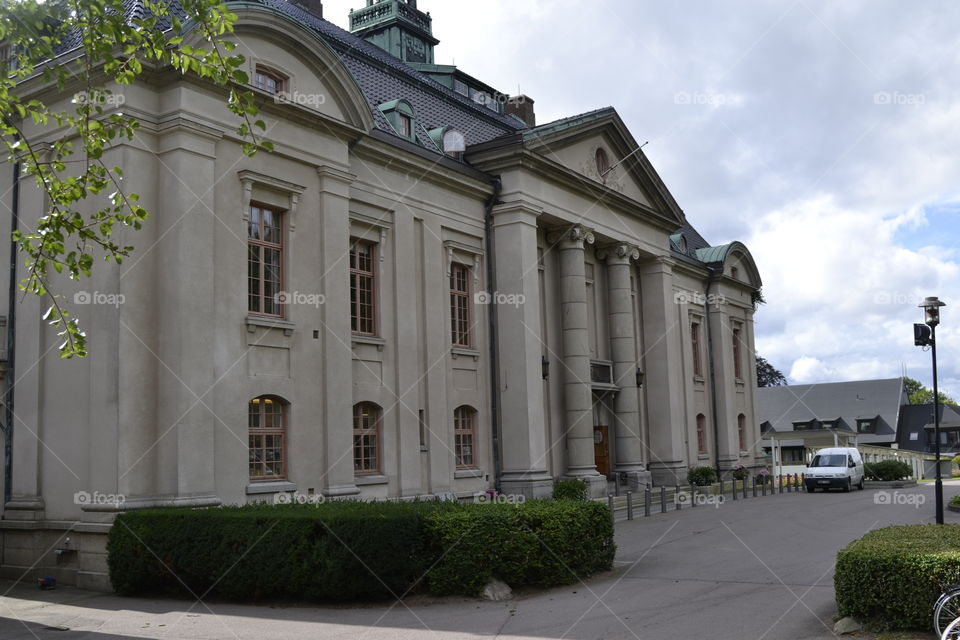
x: 946, y: 611
x: 952, y: 632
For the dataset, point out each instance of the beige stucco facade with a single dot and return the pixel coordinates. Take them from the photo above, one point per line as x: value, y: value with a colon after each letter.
x: 592, y: 307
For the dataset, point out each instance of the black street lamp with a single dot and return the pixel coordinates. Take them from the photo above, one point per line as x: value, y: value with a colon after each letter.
x: 924, y: 337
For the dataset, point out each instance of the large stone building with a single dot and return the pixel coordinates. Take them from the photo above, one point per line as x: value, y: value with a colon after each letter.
x: 420, y: 292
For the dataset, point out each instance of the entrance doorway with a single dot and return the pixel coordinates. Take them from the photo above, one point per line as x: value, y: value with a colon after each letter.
x: 601, y: 449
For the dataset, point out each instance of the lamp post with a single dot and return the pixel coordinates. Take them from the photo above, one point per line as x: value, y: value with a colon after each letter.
x: 931, y: 307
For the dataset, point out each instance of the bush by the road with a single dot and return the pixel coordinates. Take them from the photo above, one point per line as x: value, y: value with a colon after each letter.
x: 892, y: 577
x: 701, y: 476
x: 887, y: 470
x: 570, y: 490
x: 356, y: 550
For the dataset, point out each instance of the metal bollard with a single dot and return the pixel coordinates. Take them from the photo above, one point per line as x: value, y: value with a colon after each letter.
x: 610, y: 504
x: 693, y: 495
x: 676, y: 498
x: 663, y: 499
x: 754, y: 488
x: 629, y: 505
x: 796, y: 483
x: 646, y: 500
x: 733, y: 481
x: 764, y: 489
x: 744, y: 488
x: 780, y: 482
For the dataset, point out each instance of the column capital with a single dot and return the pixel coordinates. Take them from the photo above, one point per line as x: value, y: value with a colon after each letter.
x: 618, y: 253
x: 575, y: 236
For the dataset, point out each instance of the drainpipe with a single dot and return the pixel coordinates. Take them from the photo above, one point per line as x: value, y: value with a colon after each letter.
x: 11, y: 344
x: 492, y: 324
x: 711, y: 278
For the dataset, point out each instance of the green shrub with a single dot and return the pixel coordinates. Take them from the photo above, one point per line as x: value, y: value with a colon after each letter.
x: 701, y: 476
x: 887, y: 470
x: 353, y: 550
x: 955, y: 501
x: 892, y: 577
x: 540, y: 543
x: 740, y: 472
x: 570, y: 490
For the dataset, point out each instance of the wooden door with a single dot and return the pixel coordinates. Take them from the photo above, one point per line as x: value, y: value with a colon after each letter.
x: 601, y: 449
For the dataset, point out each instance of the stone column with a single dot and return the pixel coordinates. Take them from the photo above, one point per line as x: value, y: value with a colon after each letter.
x: 577, y: 391
x: 522, y: 435
x: 623, y: 348
x: 337, y: 384
x: 663, y: 379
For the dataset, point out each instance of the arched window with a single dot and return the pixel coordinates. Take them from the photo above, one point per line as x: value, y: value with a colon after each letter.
x: 366, y: 438
x: 464, y: 436
x: 742, y: 431
x: 701, y: 433
x: 603, y: 162
x: 267, y: 422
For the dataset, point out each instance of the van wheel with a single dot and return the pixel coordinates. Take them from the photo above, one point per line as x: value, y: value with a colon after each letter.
x: 846, y: 488
x: 860, y: 486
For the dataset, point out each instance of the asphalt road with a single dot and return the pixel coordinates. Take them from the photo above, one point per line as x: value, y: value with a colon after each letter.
x: 750, y: 569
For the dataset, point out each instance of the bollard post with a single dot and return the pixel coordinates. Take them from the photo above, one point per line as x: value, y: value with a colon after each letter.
x: 663, y: 499
x: 721, y: 486
x: 693, y: 495
x: 780, y: 483
x: 764, y: 488
x: 629, y: 505
x: 754, y: 483
x: 646, y: 500
x: 796, y: 482
x: 676, y: 498
x: 610, y: 504
x: 733, y: 483
x: 744, y: 488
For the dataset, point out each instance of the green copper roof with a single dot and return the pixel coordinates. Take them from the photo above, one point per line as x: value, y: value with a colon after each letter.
x: 712, y: 255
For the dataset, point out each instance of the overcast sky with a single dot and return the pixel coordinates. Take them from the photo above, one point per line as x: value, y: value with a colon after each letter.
x: 825, y: 135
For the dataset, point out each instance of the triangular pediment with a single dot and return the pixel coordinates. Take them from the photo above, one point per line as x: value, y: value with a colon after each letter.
x: 599, y: 148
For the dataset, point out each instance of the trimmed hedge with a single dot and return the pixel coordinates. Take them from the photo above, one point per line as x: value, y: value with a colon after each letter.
x: 887, y: 470
x: 892, y: 577
x: 570, y: 490
x: 701, y: 476
x: 356, y: 550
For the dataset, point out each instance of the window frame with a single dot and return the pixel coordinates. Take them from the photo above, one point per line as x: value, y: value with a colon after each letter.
x: 465, y: 414
x: 737, y: 355
x: 263, y: 244
x: 356, y: 272
x: 695, y: 346
x: 602, y: 160
x: 702, y: 447
x: 265, y: 432
x: 280, y: 80
x: 461, y: 328
x: 365, y: 432
x: 742, y: 431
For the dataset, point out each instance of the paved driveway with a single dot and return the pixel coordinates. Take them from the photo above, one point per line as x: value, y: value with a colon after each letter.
x: 750, y: 569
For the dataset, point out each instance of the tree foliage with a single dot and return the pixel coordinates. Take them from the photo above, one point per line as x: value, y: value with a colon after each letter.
x: 81, y: 48
x: 768, y: 375
x: 919, y: 394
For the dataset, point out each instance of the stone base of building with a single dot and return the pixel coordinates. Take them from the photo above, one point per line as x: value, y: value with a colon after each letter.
x: 634, y: 480
x: 530, y: 484
x: 75, y: 553
x: 668, y: 474
x: 597, y: 485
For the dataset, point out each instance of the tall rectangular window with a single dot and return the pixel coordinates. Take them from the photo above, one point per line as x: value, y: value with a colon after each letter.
x: 737, y: 364
x: 267, y: 424
x: 463, y: 433
x: 695, y: 340
x: 366, y: 438
x: 460, y: 306
x: 742, y: 431
x: 363, y: 292
x: 264, y: 261
x: 701, y: 433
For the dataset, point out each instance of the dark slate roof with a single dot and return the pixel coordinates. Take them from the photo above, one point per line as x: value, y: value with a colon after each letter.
x: 916, y: 418
x: 383, y: 77
x: 848, y: 401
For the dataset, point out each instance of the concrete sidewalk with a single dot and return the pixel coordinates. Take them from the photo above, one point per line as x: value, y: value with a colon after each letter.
x: 755, y: 568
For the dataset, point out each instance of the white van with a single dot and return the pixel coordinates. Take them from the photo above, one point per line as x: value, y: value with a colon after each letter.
x: 835, y: 468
